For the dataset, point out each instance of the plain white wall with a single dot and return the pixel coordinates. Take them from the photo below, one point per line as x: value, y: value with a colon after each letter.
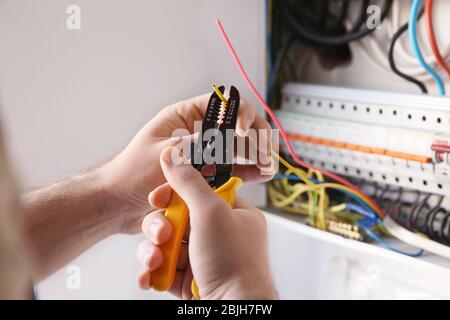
x: 71, y: 100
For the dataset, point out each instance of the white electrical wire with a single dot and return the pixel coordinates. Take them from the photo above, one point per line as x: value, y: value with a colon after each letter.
x: 415, y: 240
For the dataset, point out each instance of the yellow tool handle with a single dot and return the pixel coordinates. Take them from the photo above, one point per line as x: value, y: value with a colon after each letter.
x: 177, y: 213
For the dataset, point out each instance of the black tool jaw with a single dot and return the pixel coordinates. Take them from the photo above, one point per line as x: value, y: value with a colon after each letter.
x: 212, y: 111
x: 216, y: 141
x: 232, y: 110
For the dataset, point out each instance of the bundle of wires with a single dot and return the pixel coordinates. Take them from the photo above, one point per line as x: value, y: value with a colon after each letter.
x: 432, y: 37
x: 313, y: 24
x: 411, y: 65
x: 288, y: 197
x: 421, y: 217
x: 422, y: 222
x: 320, y: 27
x: 315, y: 187
x: 315, y: 33
x: 412, y: 32
x: 391, y: 59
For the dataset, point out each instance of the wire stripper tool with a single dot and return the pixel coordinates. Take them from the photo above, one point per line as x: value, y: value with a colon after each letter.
x: 210, y: 149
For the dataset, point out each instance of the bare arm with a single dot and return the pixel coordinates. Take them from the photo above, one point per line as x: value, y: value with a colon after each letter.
x: 15, y: 282
x: 66, y: 218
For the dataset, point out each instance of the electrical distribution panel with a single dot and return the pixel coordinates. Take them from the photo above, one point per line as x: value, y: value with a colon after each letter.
x: 391, y: 138
x: 393, y: 147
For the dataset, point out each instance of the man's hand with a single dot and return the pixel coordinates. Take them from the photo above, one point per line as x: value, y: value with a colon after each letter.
x: 227, y: 247
x: 136, y: 171
x: 66, y: 218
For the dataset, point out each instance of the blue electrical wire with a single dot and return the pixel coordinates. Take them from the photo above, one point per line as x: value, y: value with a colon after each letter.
x: 289, y: 177
x: 412, y: 31
x: 361, y: 211
x: 386, y: 245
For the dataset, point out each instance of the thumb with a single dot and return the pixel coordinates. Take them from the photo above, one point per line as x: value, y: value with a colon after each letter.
x: 187, y: 182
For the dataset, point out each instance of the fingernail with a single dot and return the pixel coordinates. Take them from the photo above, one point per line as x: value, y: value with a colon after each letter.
x: 242, y: 127
x: 153, y: 230
x: 265, y: 159
x: 267, y: 170
x: 175, y: 139
x: 241, y: 132
x: 150, y: 197
x: 167, y: 156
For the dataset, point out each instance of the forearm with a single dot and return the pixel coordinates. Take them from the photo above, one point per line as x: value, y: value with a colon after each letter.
x: 65, y: 219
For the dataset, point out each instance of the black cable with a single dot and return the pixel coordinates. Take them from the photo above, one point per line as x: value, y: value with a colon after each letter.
x: 434, y: 221
x: 436, y: 235
x: 384, y: 190
x: 323, y: 14
x: 307, y: 12
x: 445, y: 234
x: 342, y: 13
x: 361, y: 18
x: 390, y: 203
x: 391, y: 59
x: 396, y: 205
x: 424, y: 227
x: 405, y: 222
x: 415, y: 212
x: 375, y: 190
x: 316, y: 38
x: 436, y: 208
x: 277, y: 67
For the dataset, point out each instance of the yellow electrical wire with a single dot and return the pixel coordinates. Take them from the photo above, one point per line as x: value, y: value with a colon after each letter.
x: 321, y: 209
x: 337, y: 208
x: 288, y: 198
x: 289, y: 204
x: 217, y: 91
x: 280, y: 200
x: 302, y: 175
x: 287, y: 187
x: 297, y: 171
x: 293, y: 192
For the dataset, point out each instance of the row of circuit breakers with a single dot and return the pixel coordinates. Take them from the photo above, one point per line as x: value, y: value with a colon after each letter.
x: 397, y: 139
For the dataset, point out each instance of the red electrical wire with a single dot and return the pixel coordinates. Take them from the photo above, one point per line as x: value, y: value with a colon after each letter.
x: 280, y: 127
x: 432, y: 37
